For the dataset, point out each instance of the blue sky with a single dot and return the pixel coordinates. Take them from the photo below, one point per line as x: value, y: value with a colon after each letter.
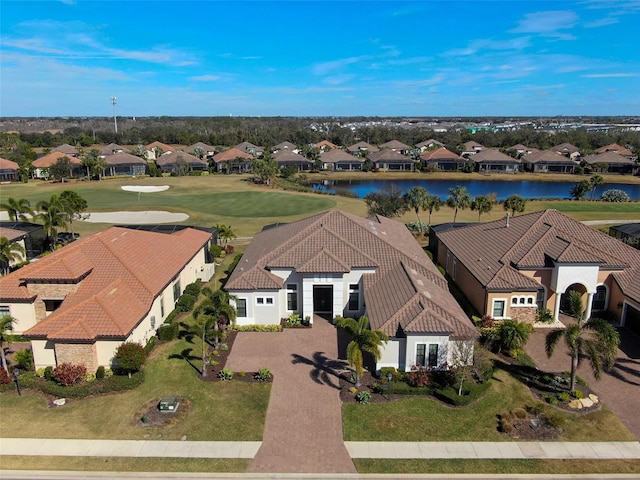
x: 278, y: 58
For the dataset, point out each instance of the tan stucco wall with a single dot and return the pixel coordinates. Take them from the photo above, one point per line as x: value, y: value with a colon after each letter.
x: 24, y: 314
x: 44, y: 354
x: 469, y: 285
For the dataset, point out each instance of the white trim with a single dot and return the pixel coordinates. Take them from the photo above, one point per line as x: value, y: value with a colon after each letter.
x: 504, y: 311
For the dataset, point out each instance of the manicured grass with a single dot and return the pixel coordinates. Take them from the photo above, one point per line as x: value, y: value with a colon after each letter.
x: 120, y: 464
x: 575, y: 467
x: 419, y: 419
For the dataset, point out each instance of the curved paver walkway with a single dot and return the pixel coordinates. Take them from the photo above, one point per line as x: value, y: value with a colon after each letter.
x: 303, y: 431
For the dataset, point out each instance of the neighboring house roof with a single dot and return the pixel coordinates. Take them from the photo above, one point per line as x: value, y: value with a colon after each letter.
x: 68, y: 149
x: 123, y: 158
x: 165, y: 148
x: 565, y: 149
x: 113, y: 148
x: 205, y: 148
x: 632, y: 229
x: 547, y: 156
x: 338, y: 242
x: 614, y: 147
x: 8, y: 164
x: 231, y: 154
x: 326, y: 143
x: 494, y: 252
x: 609, y: 158
x: 360, y: 146
x: 388, y: 156
x: 286, y: 156
x: 249, y: 147
x: 171, y: 158
x: 472, y: 146
x: 395, y: 145
x: 285, y: 146
x: 52, y: 158
x: 339, y: 156
x: 118, y: 280
x: 11, y: 234
x: 490, y: 155
x: 440, y: 155
x: 429, y: 143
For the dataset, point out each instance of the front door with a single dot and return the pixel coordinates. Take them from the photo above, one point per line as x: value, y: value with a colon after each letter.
x: 323, y: 299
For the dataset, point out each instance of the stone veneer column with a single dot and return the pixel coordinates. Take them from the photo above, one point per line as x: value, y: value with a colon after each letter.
x: 49, y: 291
x: 77, y: 354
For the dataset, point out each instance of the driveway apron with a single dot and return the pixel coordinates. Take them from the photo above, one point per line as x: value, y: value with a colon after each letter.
x: 303, y: 431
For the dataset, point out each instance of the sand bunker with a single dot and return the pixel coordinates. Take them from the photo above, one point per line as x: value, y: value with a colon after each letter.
x: 144, y: 188
x: 137, y: 218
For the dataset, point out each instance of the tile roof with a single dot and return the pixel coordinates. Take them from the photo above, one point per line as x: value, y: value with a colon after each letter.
x: 231, y: 154
x: 287, y: 156
x: 395, y: 145
x: 113, y: 148
x: 285, y: 144
x: 171, y: 158
x: 123, y: 158
x: 358, y: 147
x: 11, y: 234
x: 390, y: 156
x: 66, y: 148
x: 117, y: 278
x: 441, y: 154
x: 565, y: 148
x: 337, y: 242
x: 547, y: 156
x: 490, y: 155
x: 609, y: 157
x: 326, y: 143
x: 52, y: 158
x: 428, y: 143
x: 337, y: 156
x: 205, y: 147
x: 494, y: 252
x: 614, y: 147
x: 8, y: 164
x: 165, y: 148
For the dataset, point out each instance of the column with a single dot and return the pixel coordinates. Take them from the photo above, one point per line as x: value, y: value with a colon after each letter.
x: 556, y: 306
x: 589, y: 304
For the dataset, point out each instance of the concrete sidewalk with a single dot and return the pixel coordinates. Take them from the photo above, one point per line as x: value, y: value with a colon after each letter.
x: 390, y: 450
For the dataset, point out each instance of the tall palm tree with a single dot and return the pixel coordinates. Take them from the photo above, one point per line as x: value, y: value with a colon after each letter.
x: 595, y: 180
x: 515, y: 204
x: 224, y: 233
x: 416, y: 198
x: 432, y: 203
x: 6, y: 325
x: 10, y: 252
x: 363, y: 340
x: 52, y: 216
x: 458, y: 199
x: 481, y: 204
x: 18, y: 209
x: 596, y: 340
x: 202, y: 328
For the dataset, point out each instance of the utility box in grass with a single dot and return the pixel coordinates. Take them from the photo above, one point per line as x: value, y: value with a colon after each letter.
x: 168, y: 404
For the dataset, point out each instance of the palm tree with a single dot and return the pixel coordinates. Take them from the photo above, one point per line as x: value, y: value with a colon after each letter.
x: 6, y: 324
x: 432, y: 203
x: 17, y: 209
x: 515, y: 203
x: 595, y: 340
x: 224, y: 233
x: 595, y: 180
x: 513, y: 334
x: 202, y: 328
x: 416, y: 198
x: 458, y: 198
x: 363, y: 340
x: 481, y: 204
x: 10, y: 252
x: 52, y: 216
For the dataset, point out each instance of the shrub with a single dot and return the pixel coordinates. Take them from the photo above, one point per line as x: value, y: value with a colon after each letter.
x: 578, y: 394
x: 615, y: 195
x: 242, y: 373
x: 262, y: 375
x: 396, y: 375
x: 553, y: 400
x: 5, y: 379
x: 130, y: 357
x: 229, y: 249
x: 363, y: 397
x: 193, y: 288
x: 172, y: 315
x: 224, y: 347
x: 24, y: 359
x: 418, y: 376
x: 100, y: 373
x: 544, y: 315
x: 520, y: 413
x: 168, y: 332
x: 48, y: 373
x: 581, y: 381
x: 215, y: 250
x: 150, y: 344
x: 522, y: 358
x: 67, y: 374
x: 470, y: 392
x: 185, y: 302
x: 564, y: 397
x: 513, y: 334
x: 256, y: 328
x: 225, y: 374
x: 294, y: 320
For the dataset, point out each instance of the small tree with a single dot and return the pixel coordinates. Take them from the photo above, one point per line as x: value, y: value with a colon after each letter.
x: 10, y: 252
x: 580, y: 189
x: 18, y: 210
x: 595, y: 181
x: 458, y: 199
x: 513, y: 334
x: 130, y: 357
x: 462, y: 359
x: 481, y: 204
x: 72, y: 205
x: 433, y: 203
x: 515, y: 204
x: 416, y: 198
x: 615, y: 195
x: 389, y: 202
x: 6, y: 325
x: 61, y: 169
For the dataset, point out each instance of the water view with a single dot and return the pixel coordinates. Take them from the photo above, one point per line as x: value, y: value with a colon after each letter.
x: 501, y: 188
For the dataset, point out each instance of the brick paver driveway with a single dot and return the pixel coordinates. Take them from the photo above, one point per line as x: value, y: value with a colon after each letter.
x: 303, y: 432
x: 617, y: 388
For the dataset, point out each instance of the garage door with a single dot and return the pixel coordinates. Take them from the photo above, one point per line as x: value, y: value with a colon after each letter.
x: 632, y: 319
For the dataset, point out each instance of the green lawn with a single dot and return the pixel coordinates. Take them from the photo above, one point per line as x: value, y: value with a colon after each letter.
x: 419, y: 419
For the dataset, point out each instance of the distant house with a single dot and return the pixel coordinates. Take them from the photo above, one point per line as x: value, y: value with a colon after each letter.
x: 547, y: 161
x: 492, y: 161
x: 566, y: 149
x: 471, y: 148
x: 42, y: 164
x: 288, y: 146
x: 430, y: 144
x: 619, y: 149
x: 8, y: 170
x: 250, y: 148
x: 520, y: 149
x: 124, y: 164
x: 67, y: 150
x: 511, y: 268
x: 390, y: 160
x: 336, y: 264
x: 325, y: 145
x: 30, y: 236
x: 155, y: 150
x: 113, y: 148
x: 233, y: 160
x: 340, y: 160
x: 396, y: 146
x: 78, y: 304
x: 207, y: 151
x: 611, y: 162
x: 443, y: 160
x: 180, y: 161
x: 285, y: 158
x: 628, y: 233
x: 362, y: 149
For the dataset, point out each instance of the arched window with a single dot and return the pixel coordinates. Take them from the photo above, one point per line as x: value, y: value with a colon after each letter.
x: 600, y: 298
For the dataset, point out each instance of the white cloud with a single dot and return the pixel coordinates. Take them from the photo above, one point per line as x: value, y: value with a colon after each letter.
x: 549, y: 23
x: 610, y: 75
x: 205, y: 78
x: 327, y: 67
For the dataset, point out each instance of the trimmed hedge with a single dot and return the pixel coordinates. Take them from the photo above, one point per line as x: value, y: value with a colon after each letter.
x: 115, y: 383
x: 255, y: 328
x: 172, y: 315
x: 169, y: 332
x: 470, y: 392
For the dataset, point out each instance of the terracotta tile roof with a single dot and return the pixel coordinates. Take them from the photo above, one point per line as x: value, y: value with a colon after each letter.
x: 52, y: 158
x: 494, y: 252
x: 338, y: 156
x: 614, y: 147
x: 117, y: 278
x: 165, y: 148
x: 8, y: 164
x: 609, y: 158
x: 441, y: 154
x: 490, y: 155
x: 326, y: 143
x: 547, y: 156
x: 565, y: 148
x: 337, y: 242
x: 11, y: 234
x: 231, y: 154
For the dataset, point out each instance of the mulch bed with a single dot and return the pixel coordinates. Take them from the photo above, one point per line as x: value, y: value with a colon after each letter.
x: 150, y: 417
x: 537, y: 428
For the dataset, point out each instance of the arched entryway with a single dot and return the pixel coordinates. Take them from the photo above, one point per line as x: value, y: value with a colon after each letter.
x: 565, y: 305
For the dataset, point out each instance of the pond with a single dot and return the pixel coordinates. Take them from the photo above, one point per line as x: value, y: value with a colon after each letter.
x: 502, y: 188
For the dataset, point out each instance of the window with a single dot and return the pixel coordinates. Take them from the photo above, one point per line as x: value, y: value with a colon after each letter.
x: 420, y: 354
x: 161, y: 307
x: 176, y: 291
x: 540, y: 300
x: 453, y: 268
x: 354, y: 296
x: 433, y: 355
x: 427, y: 358
x: 292, y: 297
x: 153, y: 321
x: 498, y: 308
x: 514, y: 301
x: 241, y: 307
x: 4, y: 311
x: 264, y: 300
x: 269, y: 300
x: 522, y: 301
x: 51, y: 305
x: 599, y: 298
x: 260, y: 300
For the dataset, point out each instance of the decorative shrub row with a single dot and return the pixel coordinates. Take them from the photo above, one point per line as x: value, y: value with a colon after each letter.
x: 470, y: 392
x: 149, y: 346
x: 185, y: 302
x: 255, y: 328
x: 194, y: 288
x: 115, y: 383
